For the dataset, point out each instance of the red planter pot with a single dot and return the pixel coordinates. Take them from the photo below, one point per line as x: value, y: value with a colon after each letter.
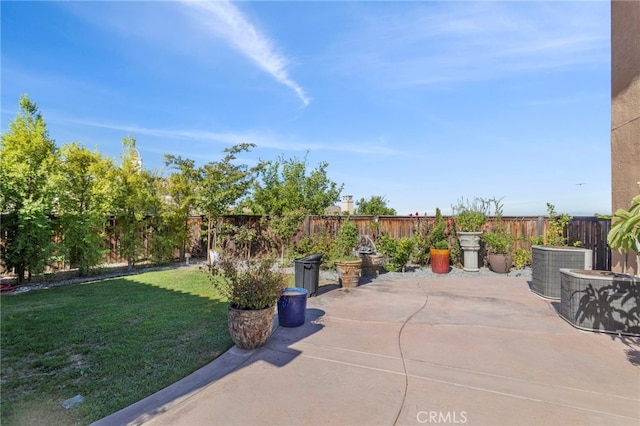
x: 439, y: 261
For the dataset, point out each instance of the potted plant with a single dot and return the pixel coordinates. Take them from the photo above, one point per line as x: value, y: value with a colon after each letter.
x: 439, y: 245
x: 498, y: 243
x: 624, y: 235
x: 470, y: 218
x: 348, y: 264
x: 252, y: 288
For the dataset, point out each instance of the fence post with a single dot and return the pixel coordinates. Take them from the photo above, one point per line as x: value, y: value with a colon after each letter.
x: 540, y: 226
x: 307, y: 226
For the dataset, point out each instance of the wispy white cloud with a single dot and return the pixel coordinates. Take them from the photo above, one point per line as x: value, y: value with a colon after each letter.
x: 262, y: 140
x: 227, y: 21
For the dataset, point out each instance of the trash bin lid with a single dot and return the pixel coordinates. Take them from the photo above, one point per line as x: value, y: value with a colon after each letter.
x: 317, y: 257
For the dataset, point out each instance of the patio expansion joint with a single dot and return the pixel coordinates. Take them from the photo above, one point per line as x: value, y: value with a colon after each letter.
x: 328, y: 318
x: 491, y: 327
x: 338, y: 348
x: 524, y: 397
x: 515, y: 379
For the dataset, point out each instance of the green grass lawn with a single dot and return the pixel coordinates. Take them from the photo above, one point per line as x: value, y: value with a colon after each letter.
x: 114, y: 342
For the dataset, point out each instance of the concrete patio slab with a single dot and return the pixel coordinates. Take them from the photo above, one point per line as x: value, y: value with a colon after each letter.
x: 408, y: 352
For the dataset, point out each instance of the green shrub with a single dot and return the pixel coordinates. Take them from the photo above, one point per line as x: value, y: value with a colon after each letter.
x: 498, y: 238
x: 315, y: 243
x: 437, y: 237
x: 471, y: 217
x: 398, y: 252
x: 521, y: 258
x: 420, y: 254
x: 347, y: 240
x: 555, y: 234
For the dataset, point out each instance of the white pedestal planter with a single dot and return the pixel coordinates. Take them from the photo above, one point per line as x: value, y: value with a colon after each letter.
x: 470, y: 244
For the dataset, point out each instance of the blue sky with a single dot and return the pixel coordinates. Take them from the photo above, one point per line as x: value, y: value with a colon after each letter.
x: 396, y: 97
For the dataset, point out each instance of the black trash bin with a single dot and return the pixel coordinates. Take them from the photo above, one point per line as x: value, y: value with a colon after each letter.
x: 307, y: 272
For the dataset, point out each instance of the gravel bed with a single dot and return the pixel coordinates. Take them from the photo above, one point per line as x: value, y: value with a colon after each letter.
x: 423, y: 273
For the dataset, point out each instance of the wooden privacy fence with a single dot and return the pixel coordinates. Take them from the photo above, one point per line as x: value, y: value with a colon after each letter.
x: 590, y: 231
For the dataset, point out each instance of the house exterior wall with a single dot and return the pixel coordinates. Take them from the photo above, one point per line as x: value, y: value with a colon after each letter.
x: 625, y: 111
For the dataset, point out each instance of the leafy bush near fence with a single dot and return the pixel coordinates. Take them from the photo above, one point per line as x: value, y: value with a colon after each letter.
x: 521, y: 258
x: 398, y: 252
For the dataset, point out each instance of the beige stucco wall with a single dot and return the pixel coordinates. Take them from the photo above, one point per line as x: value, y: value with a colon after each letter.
x: 625, y: 111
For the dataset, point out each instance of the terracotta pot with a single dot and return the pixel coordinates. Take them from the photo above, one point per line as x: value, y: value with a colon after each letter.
x: 250, y: 329
x: 439, y: 260
x: 500, y: 263
x: 349, y: 272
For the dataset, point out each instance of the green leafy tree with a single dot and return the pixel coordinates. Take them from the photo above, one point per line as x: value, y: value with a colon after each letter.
x: 286, y: 185
x: 28, y: 158
x: 374, y: 206
x: 132, y: 199
x: 80, y: 187
x: 163, y: 226
x: 223, y: 185
x: 181, y: 197
x: 285, y: 227
x: 287, y: 192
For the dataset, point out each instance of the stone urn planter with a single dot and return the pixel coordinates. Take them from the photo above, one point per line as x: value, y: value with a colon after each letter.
x: 371, y: 263
x: 349, y: 272
x: 250, y: 329
x: 470, y: 244
x: 600, y: 301
x: 439, y: 260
